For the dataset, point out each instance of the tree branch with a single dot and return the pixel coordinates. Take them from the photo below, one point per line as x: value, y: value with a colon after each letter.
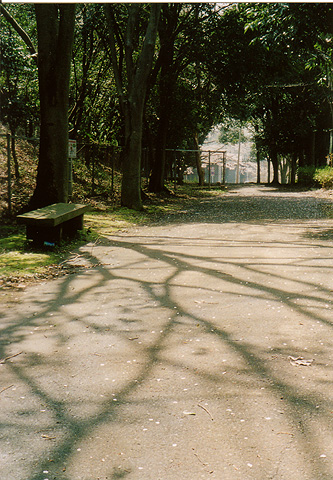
x: 133, y: 12
x: 146, y: 57
x: 108, y: 9
x: 22, y: 33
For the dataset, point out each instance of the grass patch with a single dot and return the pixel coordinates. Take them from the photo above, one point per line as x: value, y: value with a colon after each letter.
x: 19, y: 261
x: 110, y: 221
x: 14, y: 263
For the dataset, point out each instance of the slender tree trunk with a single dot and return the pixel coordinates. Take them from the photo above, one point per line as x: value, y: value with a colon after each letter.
x: 313, y: 149
x: 55, y: 29
x: 293, y: 168
x: 132, y: 92
x: 258, y: 152
x: 258, y: 167
x: 283, y: 164
x: 13, y: 149
x: 131, y: 180
x: 275, y: 163
x: 167, y: 83
x: 157, y: 177
x: 258, y: 162
x: 200, y: 171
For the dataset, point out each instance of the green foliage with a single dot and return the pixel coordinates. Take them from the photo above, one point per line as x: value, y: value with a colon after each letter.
x: 299, y: 29
x: 272, y: 61
x: 306, y: 175
x: 324, y: 176
x: 185, y: 90
x: 18, y: 76
x: 18, y: 81
x: 94, y: 111
x: 231, y: 132
x: 268, y: 62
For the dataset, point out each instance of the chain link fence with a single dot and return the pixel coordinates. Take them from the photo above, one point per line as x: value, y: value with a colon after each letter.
x: 95, y: 170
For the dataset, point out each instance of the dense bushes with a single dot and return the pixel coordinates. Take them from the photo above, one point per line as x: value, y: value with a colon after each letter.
x: 324, y: 176
x: 316, y: 177
x: 311, y: 176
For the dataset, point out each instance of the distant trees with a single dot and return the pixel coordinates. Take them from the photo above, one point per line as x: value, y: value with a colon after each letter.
x: 93, y: 114
x: 231, y: 132
x: 298, y: 92
x: 278, y: 57
x: 186, y: 100
x: 13, y: 93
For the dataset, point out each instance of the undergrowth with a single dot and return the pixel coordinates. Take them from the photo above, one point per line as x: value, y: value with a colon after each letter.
x: 324, y: 176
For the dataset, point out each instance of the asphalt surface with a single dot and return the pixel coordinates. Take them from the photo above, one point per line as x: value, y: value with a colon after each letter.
x: 199, y: 348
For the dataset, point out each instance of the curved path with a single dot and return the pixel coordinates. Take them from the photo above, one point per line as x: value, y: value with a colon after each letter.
x: 199, y: 348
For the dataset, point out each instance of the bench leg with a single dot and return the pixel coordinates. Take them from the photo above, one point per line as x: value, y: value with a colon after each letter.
x: 72, y: 226
x: 39, y: 235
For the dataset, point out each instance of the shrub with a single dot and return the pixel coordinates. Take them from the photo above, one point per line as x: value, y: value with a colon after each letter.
x: 305, y: 175
x: 324, y: 176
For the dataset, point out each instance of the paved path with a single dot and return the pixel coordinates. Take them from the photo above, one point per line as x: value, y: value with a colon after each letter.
x: 201, y: 348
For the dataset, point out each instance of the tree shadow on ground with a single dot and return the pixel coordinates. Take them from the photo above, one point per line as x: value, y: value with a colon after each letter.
x: 129, y: 279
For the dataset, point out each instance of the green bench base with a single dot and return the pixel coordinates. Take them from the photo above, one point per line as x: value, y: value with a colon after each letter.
x: 51, y: 224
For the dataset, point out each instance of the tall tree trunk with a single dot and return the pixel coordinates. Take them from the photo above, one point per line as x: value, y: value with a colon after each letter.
x: 258, y: 160
x: 283, y: 164
x: 167, y: 82
x: 131, y: 179
x: 258, y: 167
x: 55, y: 29
x: 200, y: 171
x: 273, y: 151
x: 132, y: 91
x: 275, y: 163
x: 293, y: 168
x: 157, y: 177
x: 258, y: 152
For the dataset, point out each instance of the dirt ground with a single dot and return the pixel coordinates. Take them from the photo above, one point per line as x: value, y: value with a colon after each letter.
x: 197, y: 348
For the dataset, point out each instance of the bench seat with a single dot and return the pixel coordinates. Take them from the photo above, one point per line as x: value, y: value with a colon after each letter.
x: 52, y: 223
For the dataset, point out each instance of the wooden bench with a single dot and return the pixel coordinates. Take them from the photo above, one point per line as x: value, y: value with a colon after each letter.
x: 49, y: 225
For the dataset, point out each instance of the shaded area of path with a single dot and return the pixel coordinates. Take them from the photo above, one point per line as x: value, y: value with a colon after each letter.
x: 172, y: 352
x: 252, y: 203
